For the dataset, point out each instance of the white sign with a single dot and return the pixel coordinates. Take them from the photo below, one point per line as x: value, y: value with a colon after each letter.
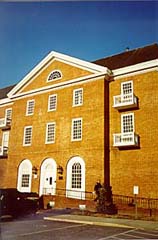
x: 135, y: 190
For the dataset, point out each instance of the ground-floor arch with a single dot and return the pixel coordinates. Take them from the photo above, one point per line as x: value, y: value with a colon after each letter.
x: 75, y: 182
x: 48, y: 177
x: 24, y: 176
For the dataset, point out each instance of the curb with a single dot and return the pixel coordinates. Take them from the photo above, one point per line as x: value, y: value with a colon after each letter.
x: 88, y: 222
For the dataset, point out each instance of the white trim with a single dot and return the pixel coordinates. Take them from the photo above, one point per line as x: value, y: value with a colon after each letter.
x: 127, y: 114
x: 24, y: 135
x: 3, y: 142
x: 20, y: 172
x: 126, y: 82
x: 78, y: 193
x: 72, y: 128
x: 61, y: 57
x: 46, y: 140
x: 27, y: 107
x: 43, y: 173
x: 74, y: 91
x: 134, y: 68
x: 62, y: 84
x: 8, y: 109
x: 6, y: 101
x: 55, y: 70
x: 52, y: 95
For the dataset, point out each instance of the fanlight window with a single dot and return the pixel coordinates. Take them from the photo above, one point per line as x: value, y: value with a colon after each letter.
x: 56, y: 74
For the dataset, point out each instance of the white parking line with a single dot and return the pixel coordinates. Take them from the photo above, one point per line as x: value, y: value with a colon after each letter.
x: 115, y: 235
x: 147, y: 233
x: 51, y: 230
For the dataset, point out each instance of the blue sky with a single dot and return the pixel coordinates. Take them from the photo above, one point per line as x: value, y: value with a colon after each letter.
x: 86, y: 30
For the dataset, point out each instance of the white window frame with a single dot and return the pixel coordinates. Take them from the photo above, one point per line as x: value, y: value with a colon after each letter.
x: 47, y: 127
x: 5, y: 143
x: 49, y: 99
x: 74, y: 97
x: 122, y: 125
x: 72, y: 129
x: 124, y: 83
x: 78, y: 193
x: 54, y: 79
x: 25, y: 167
x: 6, y: 113
x: 24, y: 138
x: 28, y: 107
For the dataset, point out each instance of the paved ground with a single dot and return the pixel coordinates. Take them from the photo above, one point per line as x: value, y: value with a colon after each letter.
x: 62, y: 225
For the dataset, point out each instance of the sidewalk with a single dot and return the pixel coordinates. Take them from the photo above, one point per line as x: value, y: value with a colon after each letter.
x: 101, y: 221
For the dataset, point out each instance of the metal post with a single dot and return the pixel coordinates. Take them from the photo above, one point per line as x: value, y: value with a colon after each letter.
x: 136, y: 210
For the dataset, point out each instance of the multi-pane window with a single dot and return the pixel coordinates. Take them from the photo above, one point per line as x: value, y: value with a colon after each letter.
x: 127, y: 122
x: 76, y: 129
x: 50, y: 132
x: 25, y: 180
x: 76, y: 175
x: 27, y: 136
x: 8, y: 114
x: 30, y: 107
x: 56, y: 74
x: 127, y: 87
x: 52, y: 102
x: 78, y: 97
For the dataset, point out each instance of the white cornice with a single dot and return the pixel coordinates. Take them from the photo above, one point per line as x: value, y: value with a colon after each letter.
x: 59, y: 86
x: 94, y: 68
x: 135, y: 68
x: 5, y: 101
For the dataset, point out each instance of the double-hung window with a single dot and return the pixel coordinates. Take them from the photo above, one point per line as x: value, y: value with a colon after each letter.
x: 127, y: 88
x: 30, y: 107
x: 127, y: 123
x: 78, y: 97
x: 76, y: 175
x: 8, y: 113
x: 76, y: 134
x: 50, y: 132
x: 27, y: 136
x: 25, y: 180
x: 52, y: 102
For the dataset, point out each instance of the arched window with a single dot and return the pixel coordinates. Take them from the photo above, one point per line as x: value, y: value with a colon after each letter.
x: 75, y: 182
x: 24, y: 176
x: 56, y: 74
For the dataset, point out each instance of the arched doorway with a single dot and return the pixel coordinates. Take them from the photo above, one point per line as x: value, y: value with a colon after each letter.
x: 48, y: 177
x: 24, y: 176
x: 75, y: 183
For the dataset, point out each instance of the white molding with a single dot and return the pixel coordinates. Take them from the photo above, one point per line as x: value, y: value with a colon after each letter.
x: 52, y: 110
x: 61, y: 57
x: 133, y: 69
x: 127, y: 114
x: 56, y: 79
x: 43, y: 171
x: 77, y: 105
x: 59, y: 86
x: 74, y: 192
x: 27, y: 107
x: 72, y: 124
x: 6, y: 101
x: 47, y: 124
x: 20, y: 172
x: 24, y: 135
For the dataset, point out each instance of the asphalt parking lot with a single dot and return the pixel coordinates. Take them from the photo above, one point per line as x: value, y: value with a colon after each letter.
x: 34, y: 227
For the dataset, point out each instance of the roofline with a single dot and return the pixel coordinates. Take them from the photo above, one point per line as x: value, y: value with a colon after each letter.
x: 62, y: 57
x: 136, y: 67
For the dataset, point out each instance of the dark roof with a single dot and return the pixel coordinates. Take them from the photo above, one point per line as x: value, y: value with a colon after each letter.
x: 129, y: 57
x: 5, y: 91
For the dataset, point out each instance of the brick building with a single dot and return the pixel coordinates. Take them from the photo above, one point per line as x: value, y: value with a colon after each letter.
x: 69, y: 123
